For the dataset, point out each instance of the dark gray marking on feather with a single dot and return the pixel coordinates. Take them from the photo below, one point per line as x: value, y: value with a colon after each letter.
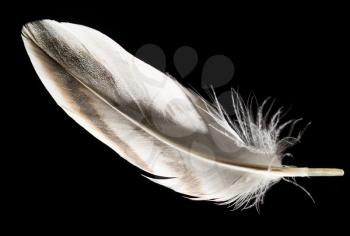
x: 72, y: 90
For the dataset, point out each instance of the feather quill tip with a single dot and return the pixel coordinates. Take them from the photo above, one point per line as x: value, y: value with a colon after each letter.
x: 325, y: 172
x: 308, y: 172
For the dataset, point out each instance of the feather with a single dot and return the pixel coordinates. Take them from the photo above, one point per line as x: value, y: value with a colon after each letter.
x: 155, y: 123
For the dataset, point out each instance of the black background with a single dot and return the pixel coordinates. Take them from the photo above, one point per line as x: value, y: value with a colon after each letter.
x: 296, y: 54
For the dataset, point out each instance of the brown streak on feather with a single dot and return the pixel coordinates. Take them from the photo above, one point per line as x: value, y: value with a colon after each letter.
x: 88, y: 112
x: 76, y: 95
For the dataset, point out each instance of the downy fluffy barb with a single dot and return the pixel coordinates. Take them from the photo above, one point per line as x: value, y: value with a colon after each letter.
x: 155, y: 123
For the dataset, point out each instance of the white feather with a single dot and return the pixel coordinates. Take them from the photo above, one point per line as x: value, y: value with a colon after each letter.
x: 155, y: 123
